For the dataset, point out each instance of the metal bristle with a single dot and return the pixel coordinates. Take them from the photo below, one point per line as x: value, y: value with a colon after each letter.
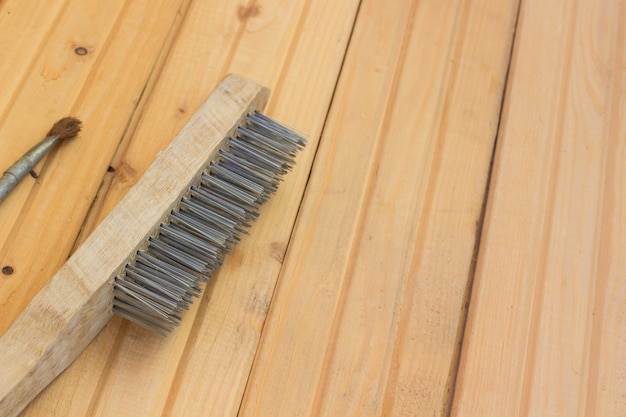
x: 159, y: 283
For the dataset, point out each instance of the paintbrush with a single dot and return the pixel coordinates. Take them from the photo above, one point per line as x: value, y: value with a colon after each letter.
x: 66, y: 128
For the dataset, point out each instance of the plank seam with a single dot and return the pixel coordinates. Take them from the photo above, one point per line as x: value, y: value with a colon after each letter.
x: 480, y: 223
x: 382, y: 135
x: 305, y: 191
x: 124, y: 139
x: 133, y: 121
x: 4, y: 114
x: 438, y: 135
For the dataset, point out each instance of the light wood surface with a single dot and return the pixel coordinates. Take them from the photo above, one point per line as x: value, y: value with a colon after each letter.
x: 383, y: 247
x: 350, y: 295
x: 547, y: 331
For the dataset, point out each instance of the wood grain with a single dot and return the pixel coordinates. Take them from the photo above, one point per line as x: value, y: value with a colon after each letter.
x: 24, y: 25
x: 77, y: 302
x: 368, y: 309
x: 102, y: 89
x: 359, y: 309
x: 288, y: 41
x: 546, y: 332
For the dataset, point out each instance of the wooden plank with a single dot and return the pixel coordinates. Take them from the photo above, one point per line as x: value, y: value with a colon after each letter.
x: 277, y: 44
x: 24, y: 26
x: 369, y: 307
x: 545, y: 333
x: 41, y: 218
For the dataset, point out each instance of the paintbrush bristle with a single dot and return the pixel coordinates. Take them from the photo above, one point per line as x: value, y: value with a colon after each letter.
x: 66, y: 128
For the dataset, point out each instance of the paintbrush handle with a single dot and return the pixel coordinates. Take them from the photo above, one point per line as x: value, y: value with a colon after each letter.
x: 24, y: 165
x: 7, y: 183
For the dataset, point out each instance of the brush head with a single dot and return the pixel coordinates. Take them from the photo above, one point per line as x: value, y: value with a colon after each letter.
x: 66, y: 128
x: 160, y: 280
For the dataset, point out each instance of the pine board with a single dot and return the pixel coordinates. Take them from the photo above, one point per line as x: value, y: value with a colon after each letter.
x: 369, y: 305
x: 546, y: 333
x: 349, y: 297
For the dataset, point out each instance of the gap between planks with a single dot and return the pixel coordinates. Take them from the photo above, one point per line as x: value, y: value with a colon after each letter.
x: 480, y: 223
x: 554, y: 299
x: 265, y: 392
x: 94, y: 214
x: 55, y: 86
x: 308, y: 179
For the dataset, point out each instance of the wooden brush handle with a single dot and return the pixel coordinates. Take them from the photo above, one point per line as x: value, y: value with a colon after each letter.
x: 63, y: 318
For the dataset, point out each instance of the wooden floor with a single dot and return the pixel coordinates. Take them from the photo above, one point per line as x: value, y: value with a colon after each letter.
x: 451, y: 243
